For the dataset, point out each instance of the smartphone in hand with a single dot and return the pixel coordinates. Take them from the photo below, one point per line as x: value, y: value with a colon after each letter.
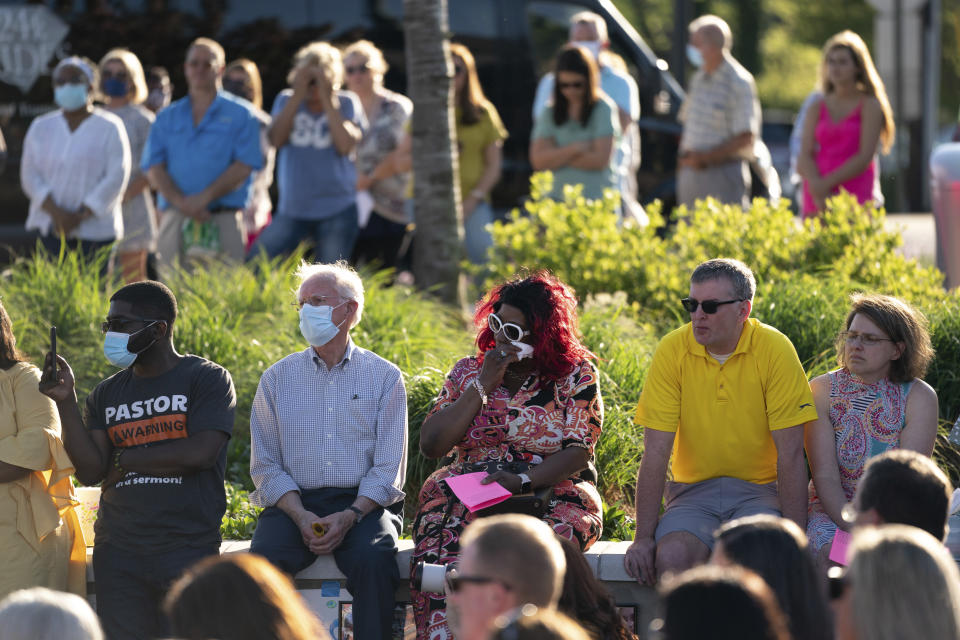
x: 50, y: 375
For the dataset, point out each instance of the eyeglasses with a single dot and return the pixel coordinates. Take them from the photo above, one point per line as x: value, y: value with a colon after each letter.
x: 119, y: 325
x: 709, y: 306
x: 363, y: 68
x: 511, y: 331
x: 570, y: 85
x: 455, y: 581
x: 866, y: 339
x: 317, y: 301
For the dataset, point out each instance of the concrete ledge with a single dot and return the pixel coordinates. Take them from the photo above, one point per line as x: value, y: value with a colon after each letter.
x: 323, y: 585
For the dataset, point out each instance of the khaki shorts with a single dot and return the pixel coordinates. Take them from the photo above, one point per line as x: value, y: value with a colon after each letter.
x: 231, y: 230
x: 728, y: 182
x: 701, y: 507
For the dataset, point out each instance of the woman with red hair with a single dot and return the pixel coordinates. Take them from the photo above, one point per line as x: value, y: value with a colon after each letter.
x: 527, y: 410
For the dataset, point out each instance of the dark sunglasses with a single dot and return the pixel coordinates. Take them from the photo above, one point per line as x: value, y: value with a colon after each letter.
x: 455, y: 581
x: 571, y: 85
x: 363, y: 68
x: 709, y: 306
x: 119, y: 325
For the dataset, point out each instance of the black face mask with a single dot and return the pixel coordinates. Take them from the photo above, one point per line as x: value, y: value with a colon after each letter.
x: 236, y: 88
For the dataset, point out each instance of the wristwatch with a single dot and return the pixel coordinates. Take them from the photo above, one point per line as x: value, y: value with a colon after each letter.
x: 525, y: 484
x: 356, y: 512
x: 480, y: 391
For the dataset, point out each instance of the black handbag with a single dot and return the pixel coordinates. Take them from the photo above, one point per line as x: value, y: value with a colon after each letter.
x: 532, y: 503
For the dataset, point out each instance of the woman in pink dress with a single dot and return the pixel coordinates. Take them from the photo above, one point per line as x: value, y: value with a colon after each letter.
x: 844, y: 129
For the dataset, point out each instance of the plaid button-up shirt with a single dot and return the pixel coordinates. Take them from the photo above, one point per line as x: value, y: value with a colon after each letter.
x: 344, y: 427
x: 719, y: 106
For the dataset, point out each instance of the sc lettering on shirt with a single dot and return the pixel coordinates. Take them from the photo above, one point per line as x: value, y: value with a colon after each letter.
x: 309, y: 131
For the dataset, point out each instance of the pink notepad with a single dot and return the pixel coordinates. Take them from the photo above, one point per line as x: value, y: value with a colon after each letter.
x: 838, y: 548
x: 476, y: 496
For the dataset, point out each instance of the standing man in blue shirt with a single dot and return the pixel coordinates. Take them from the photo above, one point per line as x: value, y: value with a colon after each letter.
x: 315, y: 130
x: 328, y: 451
x: 199, y: 156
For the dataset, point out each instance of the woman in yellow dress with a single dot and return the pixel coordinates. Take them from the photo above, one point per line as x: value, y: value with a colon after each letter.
x: 40, y: 539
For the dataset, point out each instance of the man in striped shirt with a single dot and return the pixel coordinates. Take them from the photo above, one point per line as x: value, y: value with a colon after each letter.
x: 721, y: 120
x: 328, y: 433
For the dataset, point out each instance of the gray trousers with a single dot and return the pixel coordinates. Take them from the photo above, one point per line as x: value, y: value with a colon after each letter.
x: 729, y: 183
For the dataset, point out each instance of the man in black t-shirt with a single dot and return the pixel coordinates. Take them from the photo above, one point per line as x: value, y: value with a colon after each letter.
x: 154, y: 433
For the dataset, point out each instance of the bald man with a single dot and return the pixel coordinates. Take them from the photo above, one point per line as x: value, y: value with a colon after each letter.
x: 721, y: 120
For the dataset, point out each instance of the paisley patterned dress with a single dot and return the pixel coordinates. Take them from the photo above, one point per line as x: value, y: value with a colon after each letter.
x: 542, y: 418
x: 867, y: 420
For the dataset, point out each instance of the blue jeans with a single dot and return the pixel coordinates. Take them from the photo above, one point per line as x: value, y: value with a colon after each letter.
x: 131, y: 587
x: 367, y: 555
x: 333, y: 237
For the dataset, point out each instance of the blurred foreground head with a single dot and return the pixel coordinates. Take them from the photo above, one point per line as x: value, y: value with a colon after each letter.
x: 44, y: 614
x: 241, y: 597
x: 720, y: 603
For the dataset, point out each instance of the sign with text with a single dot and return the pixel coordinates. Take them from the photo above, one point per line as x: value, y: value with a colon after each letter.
x: 28, y: 37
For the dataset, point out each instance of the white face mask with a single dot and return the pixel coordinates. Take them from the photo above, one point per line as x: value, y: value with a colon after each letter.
x: 694, y: 56
x: 116, y: 347
x: 316, y: 324
x: 526, y: 351
x: 590, y: 45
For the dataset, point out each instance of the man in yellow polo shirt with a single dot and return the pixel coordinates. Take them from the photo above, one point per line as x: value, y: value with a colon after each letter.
x: 728, y: 397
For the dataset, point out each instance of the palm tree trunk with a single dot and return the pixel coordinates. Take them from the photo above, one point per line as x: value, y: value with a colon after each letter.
x: 438, y: 247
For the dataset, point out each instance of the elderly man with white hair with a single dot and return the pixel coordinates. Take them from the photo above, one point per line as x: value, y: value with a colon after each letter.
x: 721, y: 119
x: 328, y: 433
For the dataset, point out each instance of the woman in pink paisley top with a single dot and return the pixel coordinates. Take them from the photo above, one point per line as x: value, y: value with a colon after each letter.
x: 530, y: 400
x: 874, y: 402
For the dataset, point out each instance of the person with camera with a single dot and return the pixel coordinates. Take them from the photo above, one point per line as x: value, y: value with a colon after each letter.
x: 728, y: 397
x: 154, y: 436
x: 527, y: 410
x: 328, y: 450
x: 316, y: 129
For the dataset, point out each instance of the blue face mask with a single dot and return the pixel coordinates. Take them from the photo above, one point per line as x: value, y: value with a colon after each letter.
x: 70, y: 97
x: 316, y: 324
x: 114, y: 87
x: 694, y: 56
x: 116, y: 347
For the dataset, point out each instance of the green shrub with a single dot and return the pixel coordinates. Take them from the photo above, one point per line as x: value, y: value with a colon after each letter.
x: 805, y: 275
x: 240, y: 518
x: 629, y: 280
x: 581, y: 243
